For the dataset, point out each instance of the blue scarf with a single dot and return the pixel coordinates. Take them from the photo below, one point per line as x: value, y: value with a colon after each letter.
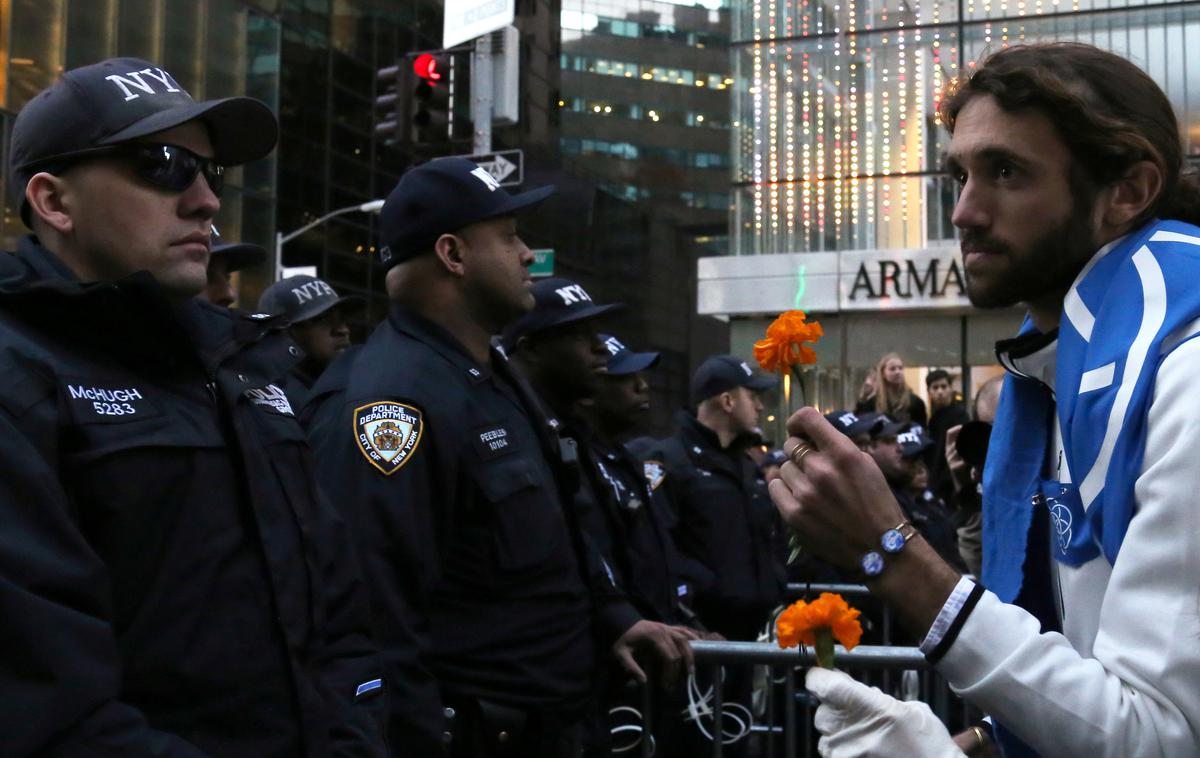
x: 1132, y: 304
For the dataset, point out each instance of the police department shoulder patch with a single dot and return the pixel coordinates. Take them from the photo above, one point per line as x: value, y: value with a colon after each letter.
x: 655, y: 473
x: 387, y: 433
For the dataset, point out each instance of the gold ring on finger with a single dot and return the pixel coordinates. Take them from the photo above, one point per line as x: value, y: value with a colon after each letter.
x: 798, y: 453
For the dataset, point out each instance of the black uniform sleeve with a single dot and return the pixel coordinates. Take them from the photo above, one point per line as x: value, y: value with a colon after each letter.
x: 61, y: 677
x: 389, y: 517
x: 614, y: 613
x: 350, y: 668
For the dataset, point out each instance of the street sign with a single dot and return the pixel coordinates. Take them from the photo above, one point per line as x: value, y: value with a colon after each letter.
x: 467, y: 19
x: 506, y: 166
x: 543, y: 263
x: 298, y: 271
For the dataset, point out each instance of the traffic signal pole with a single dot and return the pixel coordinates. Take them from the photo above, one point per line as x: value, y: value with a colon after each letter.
x: 481, y: 95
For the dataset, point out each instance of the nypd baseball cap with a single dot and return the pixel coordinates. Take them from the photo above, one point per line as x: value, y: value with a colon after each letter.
x: 556, y: 302
x: 911, y: 437
x: 623, y: 361
x: 441, y: 197
x: 237, y: 255
x: 721, y: 373
x: 300, y: 298
x: 854, y: 424
x: 120, y: 100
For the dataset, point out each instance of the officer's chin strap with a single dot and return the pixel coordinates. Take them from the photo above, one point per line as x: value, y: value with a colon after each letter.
x: 699, y: 708
x: 636, y: 727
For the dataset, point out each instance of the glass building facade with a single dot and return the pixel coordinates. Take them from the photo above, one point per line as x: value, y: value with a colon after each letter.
x: 645, y: 101
x: 836, y: 144
x: 214, y: 49
x: 837, y: 152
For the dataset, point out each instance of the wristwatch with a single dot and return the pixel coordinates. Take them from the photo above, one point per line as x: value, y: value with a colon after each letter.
x: 890, y: 542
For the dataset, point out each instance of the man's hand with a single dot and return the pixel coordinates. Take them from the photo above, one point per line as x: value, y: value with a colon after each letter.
x: 668, y: 645
x: 858, y: 721
x: 839, y: 505
x: 836, y: 500
x: 960, y: 472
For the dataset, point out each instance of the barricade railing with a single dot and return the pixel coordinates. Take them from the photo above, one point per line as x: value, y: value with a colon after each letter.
x: 783, y: 721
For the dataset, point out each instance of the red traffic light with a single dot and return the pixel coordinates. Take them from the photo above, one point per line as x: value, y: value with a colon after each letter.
x: 426, y: 66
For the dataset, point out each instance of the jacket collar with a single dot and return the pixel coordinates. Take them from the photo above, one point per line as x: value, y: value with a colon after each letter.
x: 704, y: 447
x: 441, y: 340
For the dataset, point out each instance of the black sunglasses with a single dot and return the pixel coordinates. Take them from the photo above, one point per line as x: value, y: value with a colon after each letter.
x: 170, y: 167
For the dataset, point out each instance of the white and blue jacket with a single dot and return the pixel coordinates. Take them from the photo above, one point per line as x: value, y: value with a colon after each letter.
x: 1123, y: 676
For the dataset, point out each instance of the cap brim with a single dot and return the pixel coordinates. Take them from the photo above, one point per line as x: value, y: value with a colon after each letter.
x: 521, y: 201
x: 761, y: 383
x: 242, y: 129
x: 892, y: 429
x: 575, y: 316
x: 317, y: 307
x: 240, y: 255
x: 630, y: 362
x: 911, y: 451
x: 865, y: 426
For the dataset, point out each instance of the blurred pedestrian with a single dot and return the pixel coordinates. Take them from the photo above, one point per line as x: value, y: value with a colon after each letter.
x: 891, y: 395
x: 945, y: 411
x: 965, y: 467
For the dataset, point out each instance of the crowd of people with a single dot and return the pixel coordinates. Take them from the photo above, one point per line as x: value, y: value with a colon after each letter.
x: 229, y: 532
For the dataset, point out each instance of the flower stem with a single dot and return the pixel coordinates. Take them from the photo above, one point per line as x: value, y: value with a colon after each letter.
x: 824, y: 647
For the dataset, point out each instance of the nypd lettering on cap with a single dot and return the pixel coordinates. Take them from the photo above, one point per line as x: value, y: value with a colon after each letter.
x: 614, y: 345
x: 387, y: 434
x: 911, y: 437
x: 846, y: 419
x: 149, y: 81
x: 573, y: 294
x: 311, y: 291
x: 482, y: 175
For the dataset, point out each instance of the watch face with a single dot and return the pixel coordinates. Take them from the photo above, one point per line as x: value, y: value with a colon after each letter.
x: 892, y: 540
x: 872, y: 564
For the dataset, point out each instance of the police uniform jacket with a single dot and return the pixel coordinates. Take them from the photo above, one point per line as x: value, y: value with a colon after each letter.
x: 444, y: 471
x: 172, y: 583
x: 635, y: 534
x: 726, y: 522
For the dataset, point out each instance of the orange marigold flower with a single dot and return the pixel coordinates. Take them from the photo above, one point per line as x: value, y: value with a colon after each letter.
x: 785, y: 343
x: 800, y: 622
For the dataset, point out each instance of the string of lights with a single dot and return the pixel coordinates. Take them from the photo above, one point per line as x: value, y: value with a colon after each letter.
x: 836, y: 137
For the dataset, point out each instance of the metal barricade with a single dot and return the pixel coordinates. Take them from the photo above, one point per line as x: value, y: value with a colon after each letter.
x: 783, y: 728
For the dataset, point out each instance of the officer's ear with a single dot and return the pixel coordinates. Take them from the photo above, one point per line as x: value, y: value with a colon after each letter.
x: 448, y: 249
x: 49, y: 203
x: 727, y: 401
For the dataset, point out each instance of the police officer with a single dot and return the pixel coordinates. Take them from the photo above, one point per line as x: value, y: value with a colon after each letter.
x: 224, y: 258
x: 316, y: 318
x: 486, y: 599
x: 726, y: 521
x: 898, y: 448
x: 659, y: 577
x: 557, y: 347
x: 172, y: 582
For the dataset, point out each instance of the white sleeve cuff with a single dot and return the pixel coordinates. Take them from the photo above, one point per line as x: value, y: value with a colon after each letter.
x: 947, y: 616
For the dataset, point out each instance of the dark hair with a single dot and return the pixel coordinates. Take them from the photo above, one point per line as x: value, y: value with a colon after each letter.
x: 935, y: 375
x: 1108, y: 112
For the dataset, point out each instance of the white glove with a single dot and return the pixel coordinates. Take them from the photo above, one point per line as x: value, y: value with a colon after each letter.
x: 858, y: 721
